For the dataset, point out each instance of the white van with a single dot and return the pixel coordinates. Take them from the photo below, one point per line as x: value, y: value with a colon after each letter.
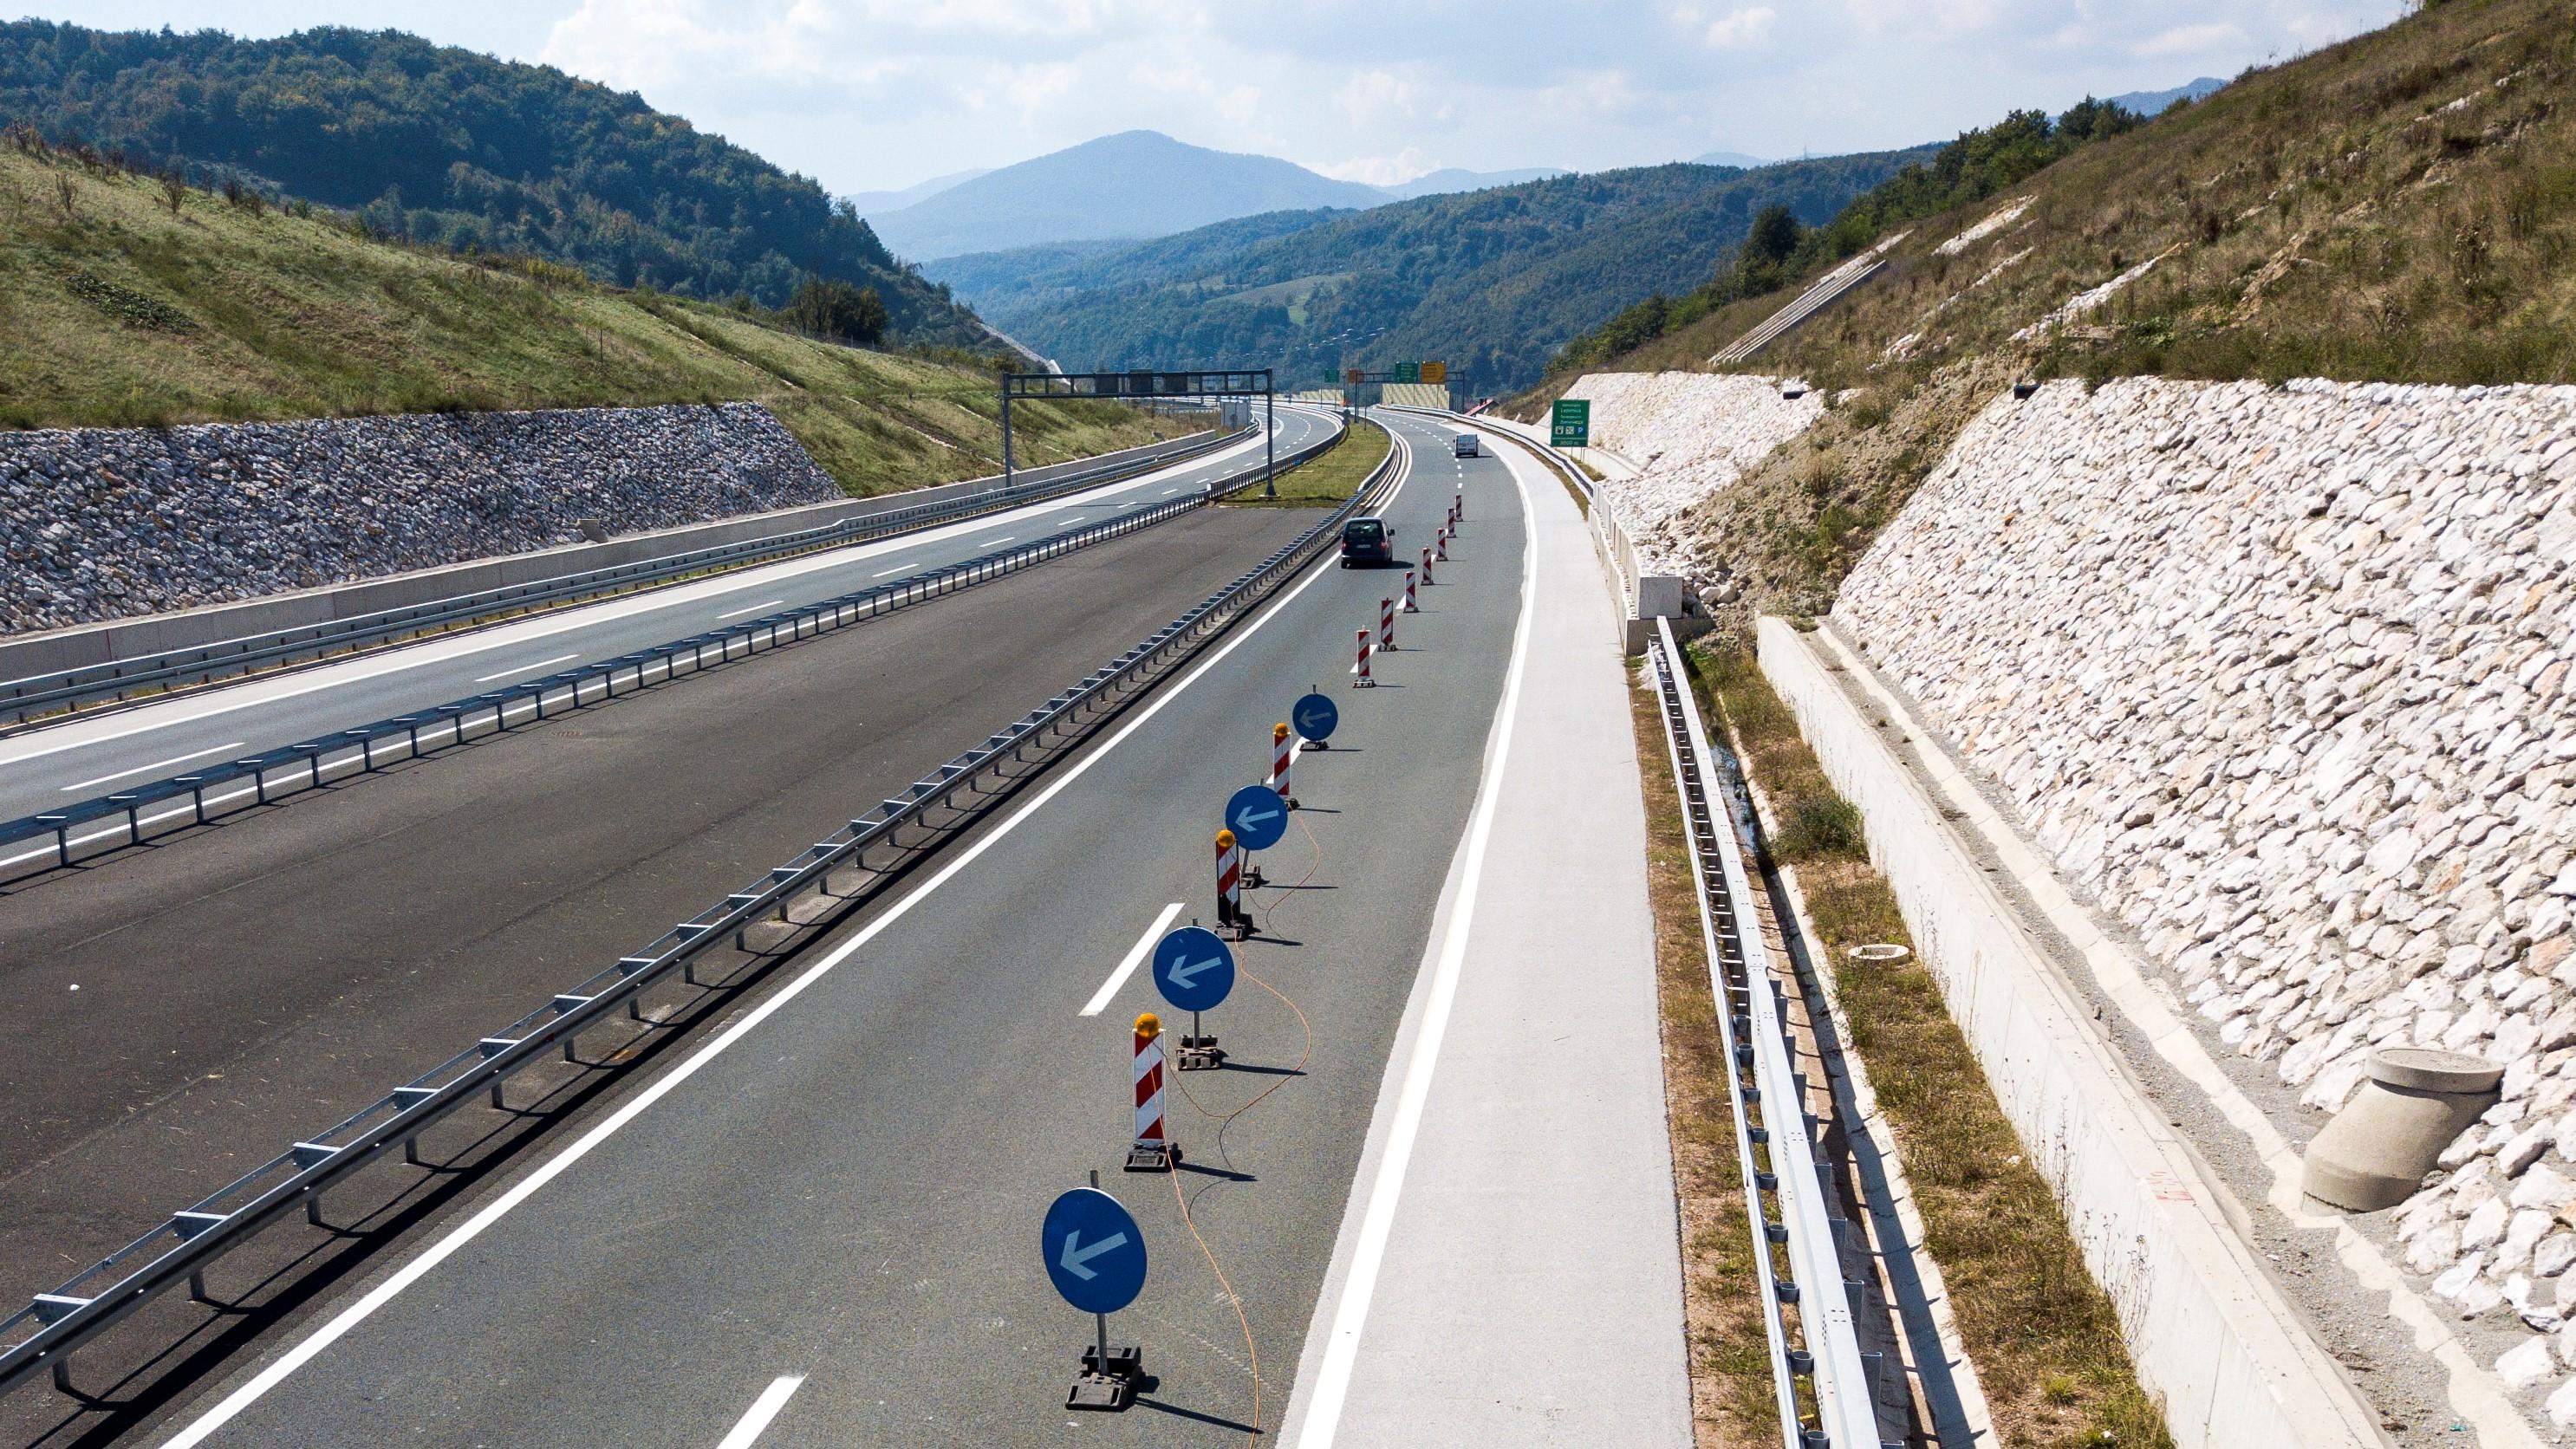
x: 1467, y: 445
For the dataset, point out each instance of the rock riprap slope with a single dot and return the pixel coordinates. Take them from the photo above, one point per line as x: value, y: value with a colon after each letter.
x: 1690, y: 435
x: 2283, y: 677
x: 101, y: 523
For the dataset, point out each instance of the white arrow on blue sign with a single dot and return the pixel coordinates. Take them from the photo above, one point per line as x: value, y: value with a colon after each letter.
x: 1094, y: 1252
x: 1315, y: 716
x: 1257, y: 816
x: 1194, y: 969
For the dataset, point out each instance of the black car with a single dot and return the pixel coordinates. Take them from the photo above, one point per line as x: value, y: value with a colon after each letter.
x: 1367, y: 541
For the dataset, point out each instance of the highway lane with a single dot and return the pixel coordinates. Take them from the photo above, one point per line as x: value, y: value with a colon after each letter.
x: 84, y: 757
x: 285, y: 967
x: 845, y: 1184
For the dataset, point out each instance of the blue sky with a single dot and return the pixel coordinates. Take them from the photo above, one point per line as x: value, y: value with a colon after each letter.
x: 869, y: 94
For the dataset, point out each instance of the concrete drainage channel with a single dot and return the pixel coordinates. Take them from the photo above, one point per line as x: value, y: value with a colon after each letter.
x: 125, y: 818
x: 101, y: 685
x: 722, y: 950
x: 1810, y: 1260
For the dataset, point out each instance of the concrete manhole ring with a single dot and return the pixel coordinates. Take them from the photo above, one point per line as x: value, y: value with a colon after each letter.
x: 1880, y: 952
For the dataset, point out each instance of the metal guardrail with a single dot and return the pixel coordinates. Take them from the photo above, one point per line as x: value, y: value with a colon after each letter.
x: 45, y: 1334
x: 1798, y: 1234
x: 38, y: 694
x: 103, y: 824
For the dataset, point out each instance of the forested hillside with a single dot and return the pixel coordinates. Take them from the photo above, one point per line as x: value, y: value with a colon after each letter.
x: 440, y: 145
x: 1493, y: 282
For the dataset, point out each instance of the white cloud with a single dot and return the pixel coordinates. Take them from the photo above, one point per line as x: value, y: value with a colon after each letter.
x: 880, y: 93
x: 1741, y: 28
x: 2188, y: 40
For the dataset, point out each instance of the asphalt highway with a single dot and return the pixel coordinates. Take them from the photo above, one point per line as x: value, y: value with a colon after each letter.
x: 818, y: 1224
x: 86, y: 757
x: 172, y: 1016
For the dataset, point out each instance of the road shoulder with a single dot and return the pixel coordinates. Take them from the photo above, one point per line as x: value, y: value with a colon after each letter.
x: 1508, y: 1268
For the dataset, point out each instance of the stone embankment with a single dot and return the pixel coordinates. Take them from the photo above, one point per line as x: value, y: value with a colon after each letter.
x: 2283, y: 676
x: 103, y: 523
x: 1690, y: 434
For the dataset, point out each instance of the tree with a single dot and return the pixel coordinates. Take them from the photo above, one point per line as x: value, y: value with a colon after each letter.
x: 830, y: 307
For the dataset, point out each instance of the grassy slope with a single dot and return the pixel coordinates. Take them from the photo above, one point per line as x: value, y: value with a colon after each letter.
x: 124, y: 314
x: 2335, y: 216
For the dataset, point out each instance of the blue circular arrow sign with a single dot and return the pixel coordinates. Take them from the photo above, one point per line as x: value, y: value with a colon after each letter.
x: 1315, y: 716
x: 1193, y: 968
x: 1257, y: 816
x: 1094, y: 1252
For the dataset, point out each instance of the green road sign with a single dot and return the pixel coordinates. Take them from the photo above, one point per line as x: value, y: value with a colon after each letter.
x: 1408, y: 372
x: 1571, y: 426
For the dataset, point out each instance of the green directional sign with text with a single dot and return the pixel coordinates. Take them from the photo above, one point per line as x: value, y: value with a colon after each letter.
x: 1571, y: 426
x: 1408, y: 372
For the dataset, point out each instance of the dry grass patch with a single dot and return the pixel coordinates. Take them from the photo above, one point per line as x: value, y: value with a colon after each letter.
x: 2044, y: 1337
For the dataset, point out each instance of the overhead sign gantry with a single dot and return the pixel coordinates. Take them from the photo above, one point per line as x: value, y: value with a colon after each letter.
x: 1149, y: 384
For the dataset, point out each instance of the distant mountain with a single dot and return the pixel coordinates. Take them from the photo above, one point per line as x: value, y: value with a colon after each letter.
x: 1453, y: 180
x: 1136, y: 184
x: 439, y: 145
x: 1729, y: 158
x: 1492, y: 282
x: 869, y: 203
x: 2153, y: 103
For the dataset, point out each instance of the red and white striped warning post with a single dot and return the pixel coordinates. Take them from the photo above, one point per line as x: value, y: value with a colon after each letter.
x: 1361, y: 668
x: 1283, y: 748
x: 1229, y: 886
x: 1440, y: 545
x: 1427, y: 579
x: 1410, y: 607
x: 1458, y: 505
x: 1386, y: 625
x: 1153, y: 1149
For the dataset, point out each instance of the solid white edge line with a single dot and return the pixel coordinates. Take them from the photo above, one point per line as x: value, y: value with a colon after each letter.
x: 736, y: 614
x: 527, y: 668
x: 1368, y: 1256
x: 156, y: 765
x: 747, y: 1430
x: 474, y: 1227
x: 577, y: 618
x: 1144, y: 945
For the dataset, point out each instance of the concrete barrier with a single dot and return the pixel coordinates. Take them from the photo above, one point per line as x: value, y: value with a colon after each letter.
x: 2213, y: 1338
x: 87, y: 644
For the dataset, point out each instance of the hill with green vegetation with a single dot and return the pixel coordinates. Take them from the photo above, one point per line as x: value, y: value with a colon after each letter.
x: 2400, y: 207
x: 1492, y: 282
x: 442, y: 146
x: 127, y: 301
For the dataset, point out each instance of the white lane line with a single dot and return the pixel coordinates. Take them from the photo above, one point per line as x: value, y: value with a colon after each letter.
x: 527, y: 1187
x: 57, y: 739
x: 148, y: 769
x: 1135, y: 958
x: 1368, y: 1255
x: 907, y: 568
x: 753, y: 609
x: 763, y: 1409
x: 528, y: 668
x: 1005, y: 538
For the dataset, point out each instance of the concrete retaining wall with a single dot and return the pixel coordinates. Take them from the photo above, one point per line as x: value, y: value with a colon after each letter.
x: 72, y: 648
x: 2211, y: 1336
